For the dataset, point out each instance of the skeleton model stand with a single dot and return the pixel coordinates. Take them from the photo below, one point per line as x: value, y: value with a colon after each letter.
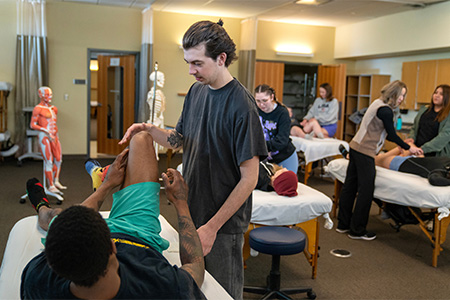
x: 157, y: 102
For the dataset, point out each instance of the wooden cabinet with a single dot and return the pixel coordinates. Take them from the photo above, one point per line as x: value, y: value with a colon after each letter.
x: 421, y: 78
x: 271, y: 73
x: 361, y: 90
x: 409, y: 77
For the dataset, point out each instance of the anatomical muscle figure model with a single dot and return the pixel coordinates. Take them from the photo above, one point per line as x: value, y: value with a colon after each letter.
x: 43, y: 119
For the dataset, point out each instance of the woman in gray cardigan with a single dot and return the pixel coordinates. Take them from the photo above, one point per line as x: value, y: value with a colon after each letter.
x: 431, y: 128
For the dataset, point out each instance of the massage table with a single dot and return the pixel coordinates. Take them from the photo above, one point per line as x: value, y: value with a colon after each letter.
x: 24, y: 243
x: 302, y: 211
x: 408, y: 190
x: 317, y: 149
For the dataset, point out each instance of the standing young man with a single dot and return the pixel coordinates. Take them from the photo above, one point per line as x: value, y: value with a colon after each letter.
x: 222, y: 140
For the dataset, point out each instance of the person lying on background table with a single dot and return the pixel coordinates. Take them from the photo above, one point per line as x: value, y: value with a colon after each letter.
x: 273, y: 177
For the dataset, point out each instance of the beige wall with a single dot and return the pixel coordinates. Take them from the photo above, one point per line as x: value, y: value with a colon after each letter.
x: 72, y: 29
x: 168, y: 32
x: 417, y: 30
x: 8, y: 19
x: 319, y: 38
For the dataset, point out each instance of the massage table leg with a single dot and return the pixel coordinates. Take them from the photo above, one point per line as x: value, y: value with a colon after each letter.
x: 439, y: 233
x: 311, y: 229
x: 308, y: 169
x: 337, y: 193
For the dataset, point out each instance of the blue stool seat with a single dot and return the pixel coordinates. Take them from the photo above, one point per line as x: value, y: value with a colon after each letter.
x: 277, y: 241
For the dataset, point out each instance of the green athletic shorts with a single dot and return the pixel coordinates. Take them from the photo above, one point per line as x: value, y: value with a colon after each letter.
x: 135, y: 212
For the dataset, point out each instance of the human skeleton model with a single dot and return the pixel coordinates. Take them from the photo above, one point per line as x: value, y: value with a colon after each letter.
x: 43, y: 119
x: 160, y: 103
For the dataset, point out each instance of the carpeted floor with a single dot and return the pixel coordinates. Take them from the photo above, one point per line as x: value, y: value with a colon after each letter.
x: 397, y: 265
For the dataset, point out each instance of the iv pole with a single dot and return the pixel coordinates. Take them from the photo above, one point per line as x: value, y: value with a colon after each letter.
x: 154, y: 92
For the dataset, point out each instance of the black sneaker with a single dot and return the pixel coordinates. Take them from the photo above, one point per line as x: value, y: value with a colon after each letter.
x: 368, y: 236
x: 343, y: 151
x: 340, y: 230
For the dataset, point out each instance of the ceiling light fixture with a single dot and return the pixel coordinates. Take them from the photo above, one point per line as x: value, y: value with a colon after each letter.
x: 312, y: 2
x: 294, y: 50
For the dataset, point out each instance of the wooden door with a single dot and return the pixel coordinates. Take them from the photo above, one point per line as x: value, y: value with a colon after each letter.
x: 116, y: 98
x: 409, y: 77
x: 426, y: 80
x: 335, y: 75
x: 443, y: 72
x: 271, y: 73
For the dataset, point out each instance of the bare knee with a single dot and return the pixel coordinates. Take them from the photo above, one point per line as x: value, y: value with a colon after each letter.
x: 142, y: 137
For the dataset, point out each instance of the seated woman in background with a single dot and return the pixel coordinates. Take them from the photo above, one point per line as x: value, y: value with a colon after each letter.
x: 276, y: 123
x: 431, y: 128
x: 272, y: 177
x: 321, y: 119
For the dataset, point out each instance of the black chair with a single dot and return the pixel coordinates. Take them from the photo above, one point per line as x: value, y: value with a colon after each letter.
x: 277, y: 241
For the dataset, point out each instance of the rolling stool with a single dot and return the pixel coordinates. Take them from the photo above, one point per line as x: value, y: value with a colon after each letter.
x: 277, y: 241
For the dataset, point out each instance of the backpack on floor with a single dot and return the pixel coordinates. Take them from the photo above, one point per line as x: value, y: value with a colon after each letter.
x: 401, y: 215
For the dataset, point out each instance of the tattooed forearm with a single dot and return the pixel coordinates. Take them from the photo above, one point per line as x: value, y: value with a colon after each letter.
x: 190, y: 246
x: 175, y: 139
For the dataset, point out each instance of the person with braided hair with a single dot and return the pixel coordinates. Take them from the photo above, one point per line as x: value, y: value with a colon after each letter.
x: 276, y: 123
x: 223, y: 142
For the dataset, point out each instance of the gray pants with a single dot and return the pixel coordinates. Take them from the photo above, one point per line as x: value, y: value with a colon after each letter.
x: 225, y: 263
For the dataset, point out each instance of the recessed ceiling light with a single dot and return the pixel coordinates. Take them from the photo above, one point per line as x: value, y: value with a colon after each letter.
x: 312, y: 2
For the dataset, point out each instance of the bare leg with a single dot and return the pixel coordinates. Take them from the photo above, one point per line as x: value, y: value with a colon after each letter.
x: 297, y: 131
x: 46, y: 215
x: 142, y: 164
x: 316, y: 128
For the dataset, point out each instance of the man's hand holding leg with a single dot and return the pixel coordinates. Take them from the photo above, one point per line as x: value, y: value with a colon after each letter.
x: 191, y: 253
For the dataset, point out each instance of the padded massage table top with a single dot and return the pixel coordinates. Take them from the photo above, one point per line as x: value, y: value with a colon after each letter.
x: 401, y: 188
x: 316, y: 148
x: 269, y: 208
x: 24, y: 243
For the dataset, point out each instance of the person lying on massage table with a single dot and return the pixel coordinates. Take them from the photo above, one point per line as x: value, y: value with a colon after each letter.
x: 89, y: 257
x: 435, y: 168
x: 273, y: 177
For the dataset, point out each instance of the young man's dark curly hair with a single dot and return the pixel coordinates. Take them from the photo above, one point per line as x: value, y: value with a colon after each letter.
x: 78, y: 245
x: 214, y: 36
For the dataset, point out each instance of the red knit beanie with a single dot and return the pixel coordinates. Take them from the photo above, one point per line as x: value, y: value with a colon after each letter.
x: 286, y: 184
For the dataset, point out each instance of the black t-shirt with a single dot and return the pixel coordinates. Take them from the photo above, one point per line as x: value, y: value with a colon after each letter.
x: 221, y: 130
x: 428, y: 128
x: 276, y: 127
x: 144, y: 273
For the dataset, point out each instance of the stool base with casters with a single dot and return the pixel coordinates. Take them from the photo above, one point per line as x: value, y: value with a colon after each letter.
x: 277, y: 241
x: 44, y: 184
